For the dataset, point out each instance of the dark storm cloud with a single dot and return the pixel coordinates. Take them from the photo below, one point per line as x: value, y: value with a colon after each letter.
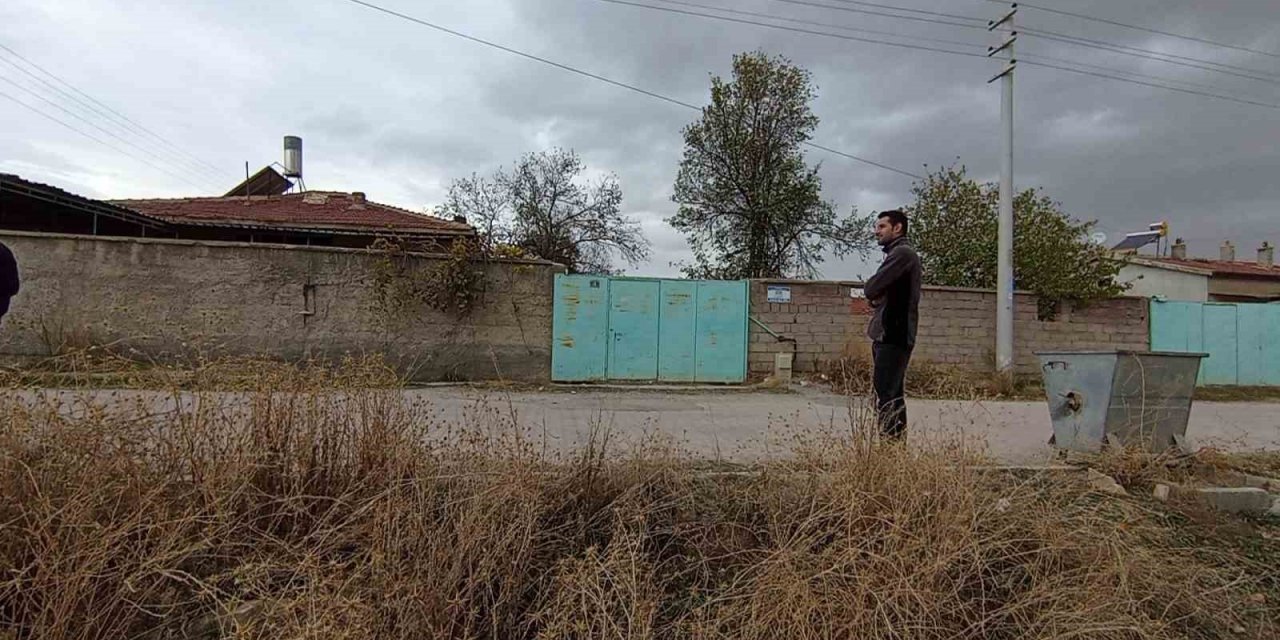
x: 398, y: 110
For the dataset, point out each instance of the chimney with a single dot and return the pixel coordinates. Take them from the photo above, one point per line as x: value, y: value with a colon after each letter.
x: 1179, y: 250
x: 460, y: 219
x: 1228, y: 252
x: 357, y: 197
x: 1266, y: 255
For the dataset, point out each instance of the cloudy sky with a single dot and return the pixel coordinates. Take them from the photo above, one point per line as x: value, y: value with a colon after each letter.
x: 397, y: 110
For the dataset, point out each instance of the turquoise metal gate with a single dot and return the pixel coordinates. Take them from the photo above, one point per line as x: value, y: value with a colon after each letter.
x: 580, y: 322
x: 642, y: 329
x: 1240, y: 338
x: 634, y: 330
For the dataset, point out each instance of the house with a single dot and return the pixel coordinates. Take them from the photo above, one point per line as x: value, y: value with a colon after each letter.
x: 1151, y: 277
x: 318, y: 218
x: 1178, y: 277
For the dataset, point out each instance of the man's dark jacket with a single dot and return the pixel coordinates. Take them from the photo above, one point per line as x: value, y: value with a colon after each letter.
x: 895, y: 292
x: 8, y: 277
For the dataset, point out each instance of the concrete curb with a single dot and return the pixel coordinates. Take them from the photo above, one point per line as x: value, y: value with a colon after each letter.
x: 1239, y: 500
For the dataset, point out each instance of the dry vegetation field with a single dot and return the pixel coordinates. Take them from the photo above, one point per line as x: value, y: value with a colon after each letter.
x: 328, y: 506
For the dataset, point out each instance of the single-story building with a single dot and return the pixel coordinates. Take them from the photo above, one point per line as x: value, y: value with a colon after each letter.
x: 314, y: 218
x: 1178, y: 277
x: 1154, y: 278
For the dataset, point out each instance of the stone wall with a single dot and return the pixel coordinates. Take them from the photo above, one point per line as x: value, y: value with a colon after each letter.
x: 165, y: 297
x: 823, y: 321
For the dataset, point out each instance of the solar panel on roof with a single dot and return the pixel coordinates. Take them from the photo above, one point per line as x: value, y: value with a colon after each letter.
x: 1136, y: 240
x: 267, y: 182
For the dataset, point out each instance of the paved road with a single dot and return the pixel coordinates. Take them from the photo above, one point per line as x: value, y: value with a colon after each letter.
x: 751, y: 425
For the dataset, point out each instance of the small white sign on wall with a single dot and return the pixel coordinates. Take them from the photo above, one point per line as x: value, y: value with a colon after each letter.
x: 779, y: 293
x: 856, y: 292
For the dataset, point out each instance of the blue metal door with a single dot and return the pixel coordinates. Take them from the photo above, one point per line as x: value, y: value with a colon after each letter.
x: 633, y: 329
x: 1251, y: 336
x: 580, y: 326
x: 1239, y: 338
x: 649, y: 329
x: 1258, y: 354
x: 721, y: 342
x: 1270, y: 339
x: 1176, y: 326
x: 1220, y: 342
x: 677, y: 327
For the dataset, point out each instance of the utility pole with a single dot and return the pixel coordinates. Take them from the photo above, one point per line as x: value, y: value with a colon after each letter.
x: 1004, y: 277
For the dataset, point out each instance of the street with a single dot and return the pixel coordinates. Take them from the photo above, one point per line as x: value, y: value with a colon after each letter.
x: 741, y: 425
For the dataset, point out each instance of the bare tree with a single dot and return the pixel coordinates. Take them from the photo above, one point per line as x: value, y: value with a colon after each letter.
x: 486, y: 205
x: 545, y: 206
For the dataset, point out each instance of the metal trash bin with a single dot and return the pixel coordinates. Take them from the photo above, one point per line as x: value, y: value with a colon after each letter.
x: 1119, y: 398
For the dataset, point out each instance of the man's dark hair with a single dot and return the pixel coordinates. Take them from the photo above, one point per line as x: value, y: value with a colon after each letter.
x: 895, y: 216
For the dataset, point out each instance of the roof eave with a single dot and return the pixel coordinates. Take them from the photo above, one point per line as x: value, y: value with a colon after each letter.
x: 54, y: 195
x: 1156, y: 264
x: 357, y: 231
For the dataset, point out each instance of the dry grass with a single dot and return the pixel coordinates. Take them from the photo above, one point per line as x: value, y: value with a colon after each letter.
x: 1243, y: 393
x: 102, y: 366
x: 1263, y: 463
x: 851, y: 375
x: 1208, y: 466
x: 316, y: 507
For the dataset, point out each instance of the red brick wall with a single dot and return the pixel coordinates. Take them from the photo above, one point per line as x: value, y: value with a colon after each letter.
x: 957, y: 326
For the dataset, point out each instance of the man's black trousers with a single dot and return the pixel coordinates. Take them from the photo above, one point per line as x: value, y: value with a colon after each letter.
x: 889, y: 379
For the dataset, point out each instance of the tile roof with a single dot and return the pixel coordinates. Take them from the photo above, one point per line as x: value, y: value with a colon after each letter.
x: 326, y: 210
x: 1226, y: 267
x: 55, y: 195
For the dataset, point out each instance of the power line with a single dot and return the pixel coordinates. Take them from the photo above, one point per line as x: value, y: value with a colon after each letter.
x: 982, y: 21
x: 1061, y: 37
x: 97, y: 139
x: 1043, y: 58
x: 90, y: 108
x: 1140, y: 28
x: 86, y: 121
x: 961, y: 53
x: 598, y: 77
x: 864, y: 160
x: 933, y: 49
x: 797, y: 29
x: 1154, y: 55
x: 883, y: 15
x: 816, y: 23
x: 1153, y: 84
x: 123, y: 117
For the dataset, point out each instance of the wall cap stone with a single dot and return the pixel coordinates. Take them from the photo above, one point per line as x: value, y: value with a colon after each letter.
x: 216, y: 244
x: 927, y: 287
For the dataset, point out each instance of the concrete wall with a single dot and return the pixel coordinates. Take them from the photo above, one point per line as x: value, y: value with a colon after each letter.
x: 166, y: 297
x: 957, y: 326
x: 1150, y: 282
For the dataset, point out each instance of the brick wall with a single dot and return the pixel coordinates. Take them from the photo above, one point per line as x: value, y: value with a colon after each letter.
x: 957, y: 326
x: 175, y: 296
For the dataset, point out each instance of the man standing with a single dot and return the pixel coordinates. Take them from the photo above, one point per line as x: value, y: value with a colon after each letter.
x: 894, y: 293
x: 8, y: 278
